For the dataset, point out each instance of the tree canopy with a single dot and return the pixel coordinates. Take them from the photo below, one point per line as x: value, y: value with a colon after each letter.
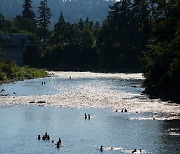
x: 44, y: 19
x: 137, y: 35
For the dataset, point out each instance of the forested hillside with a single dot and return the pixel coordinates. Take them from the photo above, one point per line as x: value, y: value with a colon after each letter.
x: 73, y: 10
x: 136, y: 35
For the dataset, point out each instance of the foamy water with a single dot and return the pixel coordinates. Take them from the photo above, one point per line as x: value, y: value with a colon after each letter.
x: 99, y: 90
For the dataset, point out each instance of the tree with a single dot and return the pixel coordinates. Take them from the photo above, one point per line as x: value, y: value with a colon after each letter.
x: 1, y: 55
x: 44, y: 19
x: 5, y: 25
x: 118, y: 37
x: 28, y: 21
x: 27, y: 10
x: 59, y: 31
x: 81, y: 24
x: 161, y: 63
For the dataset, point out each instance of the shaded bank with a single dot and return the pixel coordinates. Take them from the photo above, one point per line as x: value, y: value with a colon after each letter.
x: 163, y: 94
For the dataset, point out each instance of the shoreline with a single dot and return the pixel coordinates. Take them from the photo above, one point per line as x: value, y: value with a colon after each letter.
x: 22, y: 79
x: 15, y: 80
x: 7, y: 81
x: 163, y: 95
x: 100, y: 70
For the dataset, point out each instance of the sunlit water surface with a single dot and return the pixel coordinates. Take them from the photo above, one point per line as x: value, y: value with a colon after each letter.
x: 150, y: 125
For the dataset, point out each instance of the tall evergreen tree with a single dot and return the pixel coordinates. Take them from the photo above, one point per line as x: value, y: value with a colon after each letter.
x: 26, y: 21
x: 44, y: 19
x: 5, y: 25
x: 124, y: 35
x: 118, y: 54
x: 59, y: 31
x: 2, y: 19
x: 81, y: 24
x: 27, y: 10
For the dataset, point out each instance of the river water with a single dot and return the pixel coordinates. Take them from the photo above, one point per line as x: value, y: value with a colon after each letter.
x: 58, y: 107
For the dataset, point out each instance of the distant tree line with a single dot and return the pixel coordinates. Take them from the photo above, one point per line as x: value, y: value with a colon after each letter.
x: 73, y: 10
x: 136, y: 34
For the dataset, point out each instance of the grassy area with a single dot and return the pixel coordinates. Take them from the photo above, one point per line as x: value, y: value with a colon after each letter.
x: 9, y: 71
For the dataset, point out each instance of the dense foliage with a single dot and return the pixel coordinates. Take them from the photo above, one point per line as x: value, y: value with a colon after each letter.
x: 24, y: 24
x: 9, y: 71
x: 5, y: 25
x: 136, y: 35
x: 161, y: 63
x: 114, y: 45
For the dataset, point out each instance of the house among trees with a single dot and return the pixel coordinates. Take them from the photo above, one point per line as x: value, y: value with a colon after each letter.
x: 14, y: 46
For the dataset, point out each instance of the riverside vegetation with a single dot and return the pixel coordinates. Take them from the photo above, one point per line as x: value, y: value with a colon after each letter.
x: 137, y: 35
x: 9, y: 71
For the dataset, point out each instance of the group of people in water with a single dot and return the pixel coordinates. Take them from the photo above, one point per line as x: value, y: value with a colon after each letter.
x: 123, y: 110
x: 87, y: 116
x: 58, y: 143
x: 135, y: 150
x: 47, y: 138
x: 44, y: 137
x: 43, y: 83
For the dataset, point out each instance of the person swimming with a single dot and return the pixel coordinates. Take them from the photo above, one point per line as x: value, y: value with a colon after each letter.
x: 43, y: 137
x: 58, y: 144
x: 89, y: 117
x: 85, y: 116
x: 101, y: 148
x: 59, y: 140
x: 134, y: 151
x: 48, y: 137
x: 39, y: 137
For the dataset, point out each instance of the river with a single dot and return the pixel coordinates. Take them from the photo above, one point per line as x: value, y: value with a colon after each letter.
x: 57, y: 105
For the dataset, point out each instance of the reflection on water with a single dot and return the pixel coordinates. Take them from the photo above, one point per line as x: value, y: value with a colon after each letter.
x: 20, y: 126
x: 86, y: 89
x: 150, y: 125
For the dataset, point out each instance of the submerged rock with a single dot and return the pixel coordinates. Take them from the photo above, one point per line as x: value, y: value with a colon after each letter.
x: 41, y: 102
x: 32, y: 102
